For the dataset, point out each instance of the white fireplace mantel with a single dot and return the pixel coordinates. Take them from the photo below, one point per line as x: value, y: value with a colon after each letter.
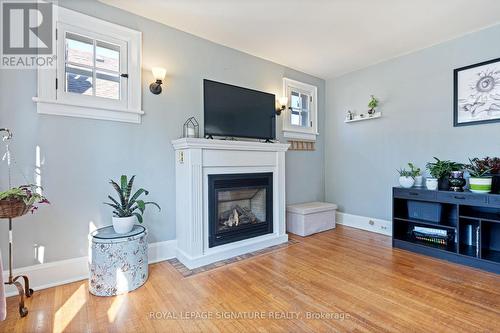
x: 195, y: 159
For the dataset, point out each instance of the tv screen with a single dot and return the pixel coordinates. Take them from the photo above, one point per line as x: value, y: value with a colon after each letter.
x: 233, y: 111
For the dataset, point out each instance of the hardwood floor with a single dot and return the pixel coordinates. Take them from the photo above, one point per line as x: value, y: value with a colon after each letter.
x: 344, y: 272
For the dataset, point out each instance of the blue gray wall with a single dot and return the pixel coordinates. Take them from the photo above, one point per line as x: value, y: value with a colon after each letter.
x: 416, y: 93
x: 78, y: 156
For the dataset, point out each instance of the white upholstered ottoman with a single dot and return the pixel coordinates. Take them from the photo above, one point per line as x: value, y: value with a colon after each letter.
x: 310, y: 217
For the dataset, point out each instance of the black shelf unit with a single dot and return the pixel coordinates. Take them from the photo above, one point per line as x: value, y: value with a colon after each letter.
x: 471, y: 222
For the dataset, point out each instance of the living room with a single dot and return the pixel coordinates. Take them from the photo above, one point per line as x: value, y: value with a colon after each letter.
x: 252, y: 166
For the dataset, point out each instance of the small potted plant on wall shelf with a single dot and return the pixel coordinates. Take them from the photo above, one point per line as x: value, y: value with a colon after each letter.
x: 372, y: 104
x: 128, y: 208
x: 440, y: 171
x: 480, y: 179
x: 406, y: 179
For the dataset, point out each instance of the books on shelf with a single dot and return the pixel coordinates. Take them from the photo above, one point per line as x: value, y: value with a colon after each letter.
x: 431, y: 231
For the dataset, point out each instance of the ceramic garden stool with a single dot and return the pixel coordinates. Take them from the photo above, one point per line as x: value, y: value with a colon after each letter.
x: 118, y: 263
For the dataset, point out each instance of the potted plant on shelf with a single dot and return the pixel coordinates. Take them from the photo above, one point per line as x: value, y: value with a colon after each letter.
x: 372, y: 104
x: 480, y: 179
x: 18, y: 201
x: 128, y: 208
x: 406, y: 179
x: 416, y: 174
x: 494, y: 164
x: 440, y: 171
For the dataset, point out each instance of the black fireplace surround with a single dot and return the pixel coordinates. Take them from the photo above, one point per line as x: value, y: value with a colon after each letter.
x: 240, y: 206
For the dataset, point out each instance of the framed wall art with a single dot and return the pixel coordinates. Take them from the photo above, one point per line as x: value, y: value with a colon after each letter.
x: 477, y: 93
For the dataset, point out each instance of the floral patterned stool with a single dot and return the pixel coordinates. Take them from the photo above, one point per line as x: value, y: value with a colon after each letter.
x: 118, y: 262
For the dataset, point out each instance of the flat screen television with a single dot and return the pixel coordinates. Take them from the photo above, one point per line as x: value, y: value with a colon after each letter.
x: 233, y: 111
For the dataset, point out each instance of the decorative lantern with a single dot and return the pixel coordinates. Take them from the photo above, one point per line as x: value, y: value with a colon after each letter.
x: 191, y: 128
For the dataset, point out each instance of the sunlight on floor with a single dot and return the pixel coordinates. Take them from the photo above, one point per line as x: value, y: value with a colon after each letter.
x: 114, y: 309
x: 67, y: 312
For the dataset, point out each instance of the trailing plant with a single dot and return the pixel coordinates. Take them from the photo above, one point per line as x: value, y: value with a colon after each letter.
x: 128, y: 205
x: 26, y: 193
x: 478, y: 168
x: 373, y: 103
x: 414, y: 170
x: 405, y: 173
x: 442, y: 168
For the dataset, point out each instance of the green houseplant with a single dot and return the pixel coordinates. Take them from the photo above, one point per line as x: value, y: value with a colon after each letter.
x: 372, y: 104
x: 480, y: 180
x: 406, y: 178
x: 440, y: 171
x: 416, y: 174
x: 128, y: 208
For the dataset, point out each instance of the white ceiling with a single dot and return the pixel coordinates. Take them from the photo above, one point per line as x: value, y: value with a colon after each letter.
x: 325, y: 38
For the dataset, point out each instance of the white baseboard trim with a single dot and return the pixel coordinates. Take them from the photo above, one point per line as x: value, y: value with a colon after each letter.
x: 379, y: 226
x: 57, y: 273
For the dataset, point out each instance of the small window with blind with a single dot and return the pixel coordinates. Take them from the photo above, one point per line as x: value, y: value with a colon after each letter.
x: 300, y: 118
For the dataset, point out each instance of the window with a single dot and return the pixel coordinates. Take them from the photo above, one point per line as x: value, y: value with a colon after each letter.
x: 300, y: 118
x: 92, y: 67
x: 98, y: 71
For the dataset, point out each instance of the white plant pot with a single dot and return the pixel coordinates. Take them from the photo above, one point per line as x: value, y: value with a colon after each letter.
x: 406, y: 182
x: 419, y: 181
x: 431, y: 184
x: 123, y: 225
x: 480, y: 185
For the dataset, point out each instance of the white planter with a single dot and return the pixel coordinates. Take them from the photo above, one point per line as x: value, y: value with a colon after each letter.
x: 406, y: 182
x: 419, y: 181
x: 122, y: 225
x: 431, y: 183
x: 480, y: 185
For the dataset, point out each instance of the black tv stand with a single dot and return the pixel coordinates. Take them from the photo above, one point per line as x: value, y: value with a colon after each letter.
x: 268, y: 141
x: 209, y: 136
x: 471, y: 221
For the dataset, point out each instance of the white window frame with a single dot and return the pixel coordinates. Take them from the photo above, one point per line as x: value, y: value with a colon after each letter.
x: 299, y: 132
x: 52, y: 99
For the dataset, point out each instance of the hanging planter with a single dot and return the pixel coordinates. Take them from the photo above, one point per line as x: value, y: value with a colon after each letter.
x: 11, y: 208
x: 15, y: 202
x: 18, y: 201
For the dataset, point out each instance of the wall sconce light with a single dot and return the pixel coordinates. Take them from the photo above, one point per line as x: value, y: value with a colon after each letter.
x: 283, y: 102
x: 159, y: 75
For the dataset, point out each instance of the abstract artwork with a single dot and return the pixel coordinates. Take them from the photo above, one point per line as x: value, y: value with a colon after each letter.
x: 477, y: 93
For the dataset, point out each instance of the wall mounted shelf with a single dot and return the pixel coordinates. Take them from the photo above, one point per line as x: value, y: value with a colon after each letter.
x: 366, y: 117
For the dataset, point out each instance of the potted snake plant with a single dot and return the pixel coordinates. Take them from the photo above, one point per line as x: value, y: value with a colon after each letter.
x: 128, y: 208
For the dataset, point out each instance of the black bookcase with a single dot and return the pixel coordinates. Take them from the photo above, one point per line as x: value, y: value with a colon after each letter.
x: 471, y: 222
